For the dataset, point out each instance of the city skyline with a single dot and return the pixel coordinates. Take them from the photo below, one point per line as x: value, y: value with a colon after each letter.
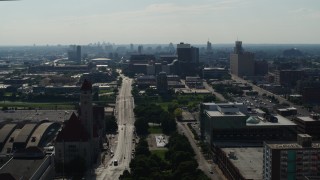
x: 159, y: 22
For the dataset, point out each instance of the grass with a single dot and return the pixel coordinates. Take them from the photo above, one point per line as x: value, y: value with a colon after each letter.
x: 160, y: 153
x: 155, y: 130
x: 164, y: 105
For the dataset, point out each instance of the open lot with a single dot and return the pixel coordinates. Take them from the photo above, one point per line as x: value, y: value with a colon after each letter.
x: 36, y: 115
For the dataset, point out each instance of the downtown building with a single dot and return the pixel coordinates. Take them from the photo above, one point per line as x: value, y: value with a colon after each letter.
x: 241, y: 62
x: 188, y: 59
x: 232, y: 125
x: 292, y: 160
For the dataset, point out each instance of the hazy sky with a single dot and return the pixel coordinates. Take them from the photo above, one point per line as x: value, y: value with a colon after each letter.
x: 27, y: 22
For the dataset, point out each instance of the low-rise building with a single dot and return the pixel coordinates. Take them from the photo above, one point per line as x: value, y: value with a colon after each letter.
x: 229, y: 124
x: 241, y: 163
x: 309, y: 125
x: 214, y: 73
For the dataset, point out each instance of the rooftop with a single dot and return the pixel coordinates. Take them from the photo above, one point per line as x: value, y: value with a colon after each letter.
x: 101, y: 59
x: 289, y: 145
x: 219, y: 114
x: 38, y: 133
x: 306, y: 118
x: 282, y: 121
x: 25, y: 133
x: 249, y: 161
x: 5, y: 131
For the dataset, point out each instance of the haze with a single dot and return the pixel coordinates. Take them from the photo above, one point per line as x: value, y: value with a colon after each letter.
x: 28, y: 22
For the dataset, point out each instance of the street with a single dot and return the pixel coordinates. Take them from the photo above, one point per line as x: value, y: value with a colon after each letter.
x: 204, y: 165
x: 124, y: 146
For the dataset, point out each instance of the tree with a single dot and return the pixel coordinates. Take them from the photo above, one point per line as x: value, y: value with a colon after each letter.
x: 168, y: 123
x: 111, y: 125
x: 126, y: 175
x: 141, y: 126
x: 178, y: 113
x: 172, y: 106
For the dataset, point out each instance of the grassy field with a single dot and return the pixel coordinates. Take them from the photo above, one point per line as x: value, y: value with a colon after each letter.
x: 155, y: 130
x: 160, y: 153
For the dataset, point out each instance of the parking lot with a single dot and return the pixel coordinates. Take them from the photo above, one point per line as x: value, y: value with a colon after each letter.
x: 36, y: 115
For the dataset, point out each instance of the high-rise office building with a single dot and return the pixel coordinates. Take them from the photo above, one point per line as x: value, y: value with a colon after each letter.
x: 140, y: 49
x: 188, y: 58
x: 187, y: 53
x: 292, y: 160
x: 162, y: 83
x: 209, y: 47
x: 241, y: 62
x: 78, y: 54
x: 74, y: 53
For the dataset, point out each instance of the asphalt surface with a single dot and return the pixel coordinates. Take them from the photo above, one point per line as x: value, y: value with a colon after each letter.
x: 124, y: 144
x: 36, y: 115
x: 204, y: 165
x: 301, y: 110
x: 209, y: 88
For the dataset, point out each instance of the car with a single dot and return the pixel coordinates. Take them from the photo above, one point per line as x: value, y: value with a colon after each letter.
x: 115, y: 162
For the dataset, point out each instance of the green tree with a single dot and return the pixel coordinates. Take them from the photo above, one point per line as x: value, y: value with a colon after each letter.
x: 168, y: 123
x: 178, y: 113
x: 111, y: 125
x: 141, y: 126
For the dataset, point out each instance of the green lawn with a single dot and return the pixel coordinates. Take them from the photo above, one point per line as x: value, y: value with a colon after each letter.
x: 160, y: 153
x: 155, y: 130
x: 164, y: 105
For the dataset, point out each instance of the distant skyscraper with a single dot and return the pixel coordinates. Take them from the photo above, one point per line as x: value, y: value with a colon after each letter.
x: 241, y: 62
x: 209, y: 47
x: 131, y: 47
x: 140, y: 49
x: 74, y: 54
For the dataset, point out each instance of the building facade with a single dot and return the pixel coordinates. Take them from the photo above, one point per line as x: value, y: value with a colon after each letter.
x: 241, y: 62
x: 292, y: 160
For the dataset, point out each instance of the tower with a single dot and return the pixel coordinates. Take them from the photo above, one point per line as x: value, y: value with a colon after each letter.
x: 241, y: 62
x: 78, y: 54
x: 162, y: 83
x: 86, y: 115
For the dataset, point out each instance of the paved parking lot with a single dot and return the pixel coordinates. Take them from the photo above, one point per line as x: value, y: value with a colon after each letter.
x: 36, y: 115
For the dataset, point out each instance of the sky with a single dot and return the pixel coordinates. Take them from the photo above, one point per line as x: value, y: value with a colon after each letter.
x: 41, y: 22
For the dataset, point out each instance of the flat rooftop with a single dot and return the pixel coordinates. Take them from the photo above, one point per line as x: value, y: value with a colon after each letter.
x: 249, y: 161
x: 282, y: 121
x: 101, y: 59
x: 219, y: 114
x: 307, y: 118
x: 289, y: 145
